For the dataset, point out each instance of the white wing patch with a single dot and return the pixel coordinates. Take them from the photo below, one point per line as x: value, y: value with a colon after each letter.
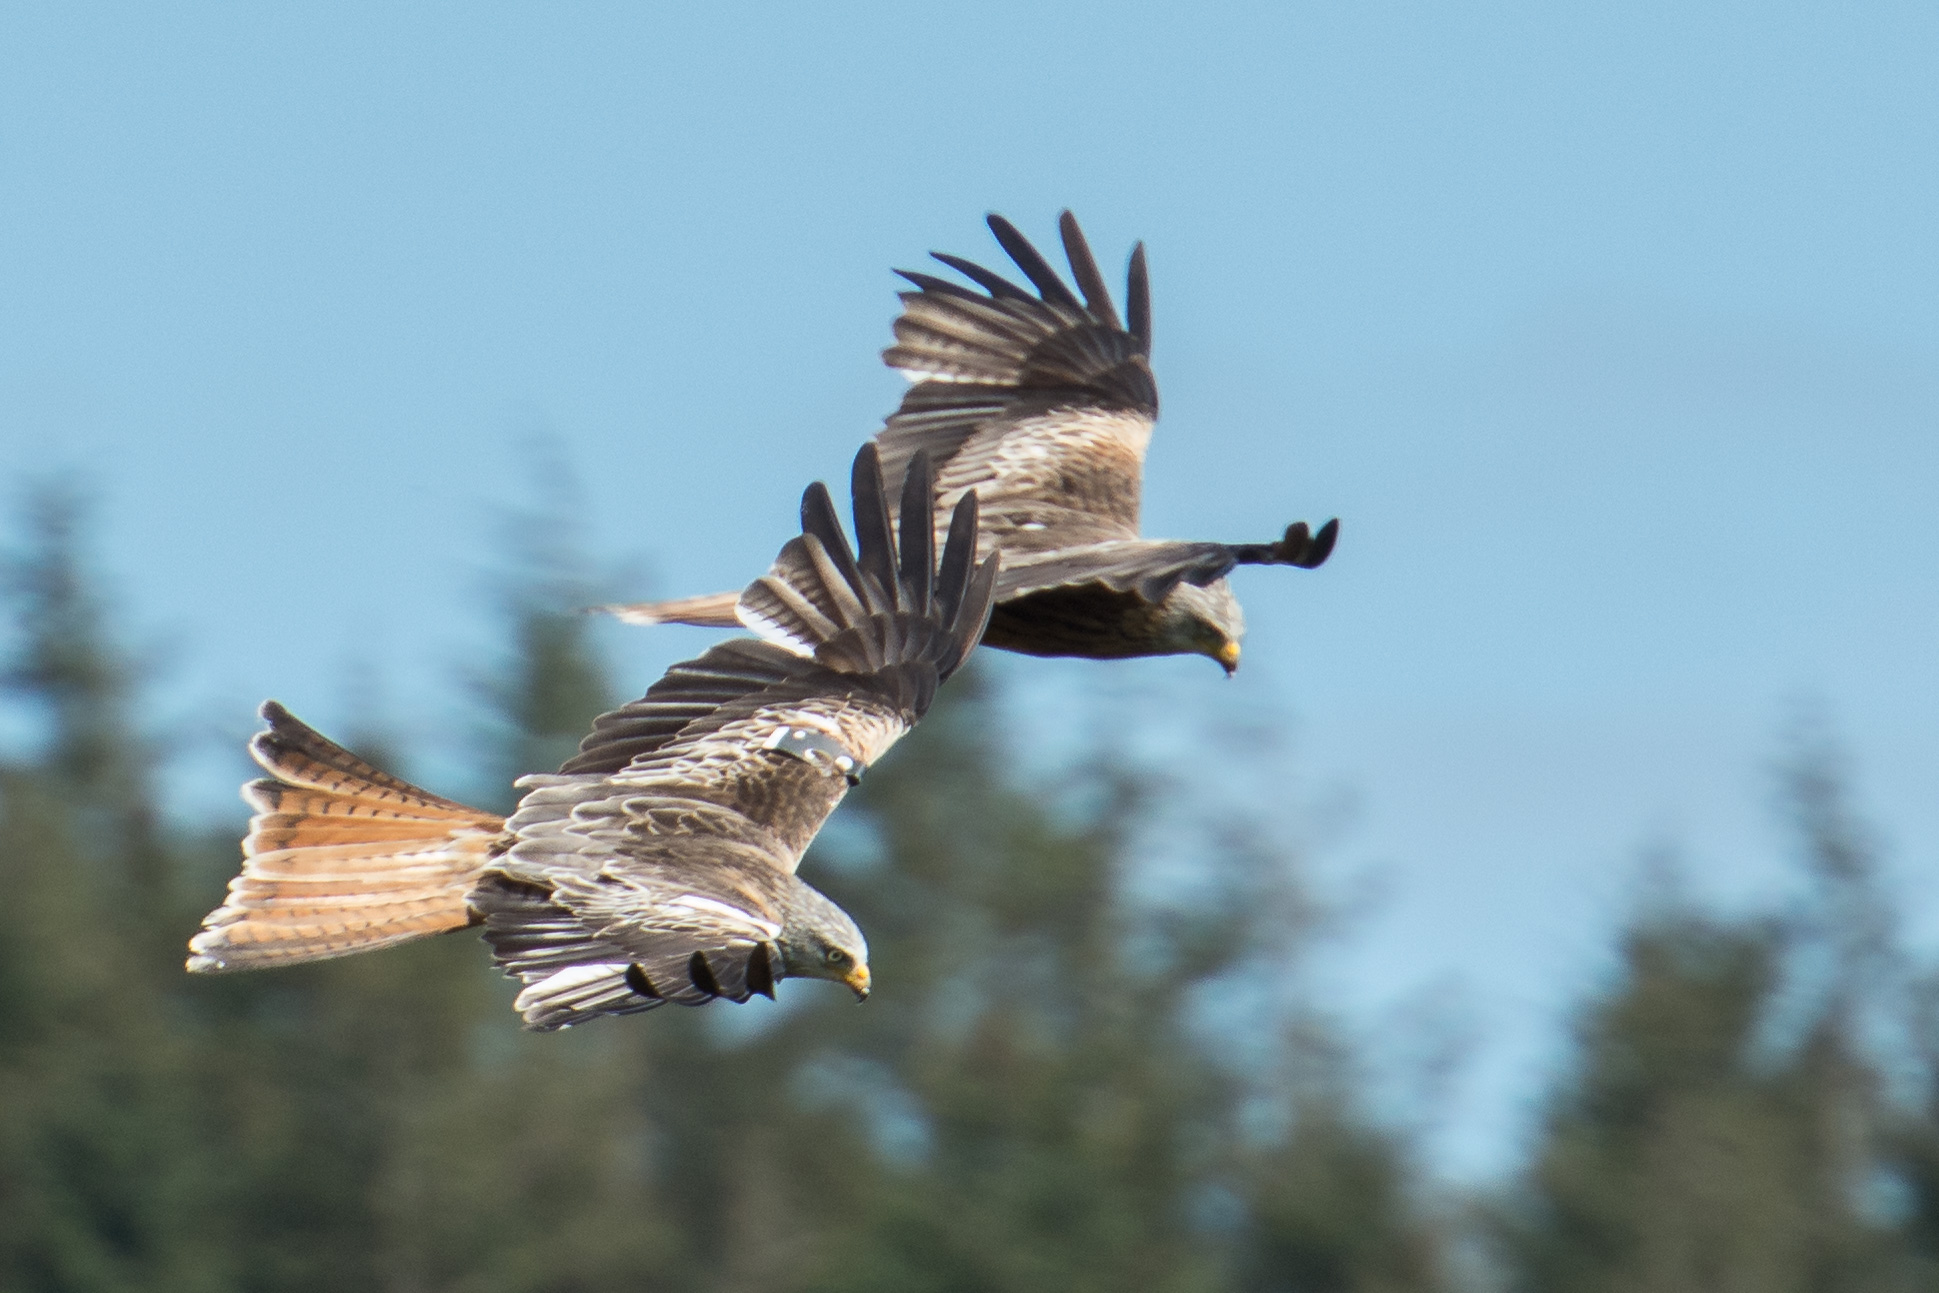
x: 767, y: 630
x: 865, y: 731
x: 916, y: 376
x: 577, y: 985
x: 576, y: 976
x: 713, y: 907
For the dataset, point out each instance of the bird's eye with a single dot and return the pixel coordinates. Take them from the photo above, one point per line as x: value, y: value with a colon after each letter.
x: 835, y: 956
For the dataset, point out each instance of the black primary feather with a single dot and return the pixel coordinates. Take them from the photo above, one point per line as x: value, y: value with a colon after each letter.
x: 1137, y: 302
x: 760, y: 971
x: 1083, y: 267
x: 636, y: 980
x: 959, y: 552
x: 918, y: 516
x: 939, y: 286
x: 1033, y: 265
x: 818, y: 517
x: 989, y: 280
x: 702, y: 975
x: 859, y: 610
x: 985, y: 349
x: 974, y: 616
x: 874, y: 537
x: 1298, y: 547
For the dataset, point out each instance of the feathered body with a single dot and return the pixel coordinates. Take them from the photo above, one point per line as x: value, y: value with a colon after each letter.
x: 1043, y: 405
x: 659, y: 863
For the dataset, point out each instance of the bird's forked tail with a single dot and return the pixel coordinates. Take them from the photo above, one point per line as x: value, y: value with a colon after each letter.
x: 708, y: 611
x: 339, y: 858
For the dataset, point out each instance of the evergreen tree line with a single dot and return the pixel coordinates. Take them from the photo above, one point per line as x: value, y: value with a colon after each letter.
x: 1071, y: 1079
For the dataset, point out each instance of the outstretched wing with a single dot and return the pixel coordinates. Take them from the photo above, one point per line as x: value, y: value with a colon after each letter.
x: 1151, y: 568
x: 1042, y: 403
x: 653, y: 866
x: 1147, y: 568
x: 688, y: 921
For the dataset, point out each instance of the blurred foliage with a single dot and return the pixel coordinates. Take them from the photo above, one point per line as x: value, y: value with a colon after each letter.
x: 1032, y: 1101
x: 1732, y: 1122
x: 1064, y: 1083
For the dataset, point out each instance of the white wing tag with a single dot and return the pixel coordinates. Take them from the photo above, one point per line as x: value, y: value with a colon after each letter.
x: 812, y: 746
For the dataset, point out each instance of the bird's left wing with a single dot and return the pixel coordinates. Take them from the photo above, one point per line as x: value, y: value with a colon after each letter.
x: 1039, y: 400
x: 617, y: 922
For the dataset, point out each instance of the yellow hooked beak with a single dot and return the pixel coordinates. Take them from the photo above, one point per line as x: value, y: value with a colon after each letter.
x: 1229, y: 657
x: 857, y: 980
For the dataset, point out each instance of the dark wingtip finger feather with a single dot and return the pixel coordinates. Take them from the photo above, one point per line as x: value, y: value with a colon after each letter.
x: 1083, y: 267
x: 959, y: 555
x: 1034, y: 266
x: 1137, y: 297
x: 918, y: 533
x: 874, y: 536
x: 974, y: 615
x: 818, y: 518
x: 989, y: 280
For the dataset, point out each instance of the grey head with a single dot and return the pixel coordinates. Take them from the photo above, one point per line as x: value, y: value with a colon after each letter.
x: 820, y: 941
x: 1204, y: 621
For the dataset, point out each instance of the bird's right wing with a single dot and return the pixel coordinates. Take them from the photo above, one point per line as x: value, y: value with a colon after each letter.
x: 674, y: 831
x: 1151, y: 568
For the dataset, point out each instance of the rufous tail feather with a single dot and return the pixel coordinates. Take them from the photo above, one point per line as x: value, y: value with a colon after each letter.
x: 340, y: 857
x: 710, y: 611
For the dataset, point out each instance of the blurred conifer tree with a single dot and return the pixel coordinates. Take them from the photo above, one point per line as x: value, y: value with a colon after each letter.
x: 1730, y: 1122
x: 101, y: 1177
x: 1044, y: 1094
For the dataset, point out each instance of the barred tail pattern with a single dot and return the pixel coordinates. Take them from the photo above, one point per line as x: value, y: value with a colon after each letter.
x: 340, y: 858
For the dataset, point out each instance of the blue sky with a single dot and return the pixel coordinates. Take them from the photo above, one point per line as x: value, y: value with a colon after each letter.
x: 1609, y: 331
